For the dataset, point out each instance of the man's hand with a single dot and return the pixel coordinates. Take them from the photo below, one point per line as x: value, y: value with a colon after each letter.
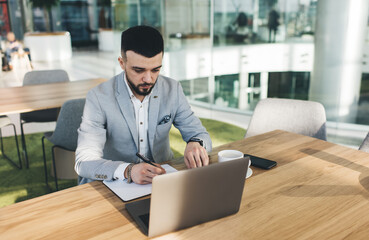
x: 195, y: 155
x: 143, y: 173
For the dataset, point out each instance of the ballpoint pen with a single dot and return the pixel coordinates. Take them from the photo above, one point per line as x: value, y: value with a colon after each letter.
x: 146, y: 160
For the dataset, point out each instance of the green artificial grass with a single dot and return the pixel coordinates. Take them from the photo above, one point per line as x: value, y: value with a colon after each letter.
x: 17, y: 185
x: 220, y: 133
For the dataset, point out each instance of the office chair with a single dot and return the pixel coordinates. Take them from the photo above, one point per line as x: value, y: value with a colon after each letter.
x: 365, y: 144
x: 48, y: 115
x: 65, y: 134
x: 303, y: 117
x: 5, y: 121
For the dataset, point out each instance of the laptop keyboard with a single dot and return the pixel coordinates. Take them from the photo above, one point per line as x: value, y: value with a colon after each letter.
x: 145, y: 219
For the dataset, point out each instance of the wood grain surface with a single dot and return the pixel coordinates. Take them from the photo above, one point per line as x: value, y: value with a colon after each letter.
x: 319, y: 190
x: 43, y: 96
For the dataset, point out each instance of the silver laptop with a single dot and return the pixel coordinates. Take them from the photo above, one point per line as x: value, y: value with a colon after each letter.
x: 190, y: 197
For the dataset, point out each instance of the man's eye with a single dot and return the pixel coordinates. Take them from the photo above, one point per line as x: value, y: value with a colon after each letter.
x: 155, y: 70
x: 139, y: 71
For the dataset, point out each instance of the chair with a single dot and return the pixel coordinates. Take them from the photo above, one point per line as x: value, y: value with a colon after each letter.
x: 303, y: 117
x: 65, y: 134
x: 365, y: 144
x: 49, y: 115
x: 5, y: 121
x: 21, y: 60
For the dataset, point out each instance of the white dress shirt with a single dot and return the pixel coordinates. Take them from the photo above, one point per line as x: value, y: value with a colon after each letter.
x: 142, y: 122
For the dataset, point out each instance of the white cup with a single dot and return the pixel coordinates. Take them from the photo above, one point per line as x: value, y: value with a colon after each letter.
x: 227, y: 155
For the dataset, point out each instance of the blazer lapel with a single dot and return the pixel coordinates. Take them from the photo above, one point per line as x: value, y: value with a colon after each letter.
x: 126, y: 106
x: 153, y: 114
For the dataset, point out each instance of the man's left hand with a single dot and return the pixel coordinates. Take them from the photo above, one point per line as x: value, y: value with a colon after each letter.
x: 195, y: 155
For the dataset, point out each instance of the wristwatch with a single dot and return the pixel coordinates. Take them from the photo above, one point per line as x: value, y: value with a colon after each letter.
x: 196, y: 140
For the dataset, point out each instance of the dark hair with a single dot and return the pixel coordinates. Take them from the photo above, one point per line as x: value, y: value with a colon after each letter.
x: 242, y: 19
x: 143, y: 40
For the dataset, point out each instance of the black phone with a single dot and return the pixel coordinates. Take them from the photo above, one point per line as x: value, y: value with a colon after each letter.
x: 261, y: 162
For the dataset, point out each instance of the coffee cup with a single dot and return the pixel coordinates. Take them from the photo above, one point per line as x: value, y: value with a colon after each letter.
x: 227, y: 155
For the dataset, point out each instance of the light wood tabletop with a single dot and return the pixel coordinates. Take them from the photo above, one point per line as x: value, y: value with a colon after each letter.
x: 319, y: 190
x: 43, y: 96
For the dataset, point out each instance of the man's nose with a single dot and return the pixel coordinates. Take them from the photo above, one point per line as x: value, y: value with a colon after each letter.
x: 147, y: 77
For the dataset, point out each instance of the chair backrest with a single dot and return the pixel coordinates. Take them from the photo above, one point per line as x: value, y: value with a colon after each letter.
x: 70, y: 117
x: 45, y: 76
x: 303, y: 117
x: 365, y: 144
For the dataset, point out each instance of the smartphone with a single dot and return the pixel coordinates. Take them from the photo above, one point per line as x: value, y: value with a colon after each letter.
x: 261, y: 162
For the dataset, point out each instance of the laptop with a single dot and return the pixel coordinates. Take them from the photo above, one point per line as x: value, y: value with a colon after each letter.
x: 190, y: 197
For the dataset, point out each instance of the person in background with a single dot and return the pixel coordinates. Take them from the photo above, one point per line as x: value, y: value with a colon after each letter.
x: 14, y: 47
x: 133, y: 113
x: 273, y: 23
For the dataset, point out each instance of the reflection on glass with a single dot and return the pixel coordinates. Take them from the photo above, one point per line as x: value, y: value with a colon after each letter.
x: 363, y: 108
x: 196, y: 89
x: 293, y: 85
x: 262, y: 21
x: 227, y: 90
x: 253, y: 90
x: 187, y: 24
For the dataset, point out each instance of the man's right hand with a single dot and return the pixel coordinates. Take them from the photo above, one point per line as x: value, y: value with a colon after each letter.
x: 143, y: 173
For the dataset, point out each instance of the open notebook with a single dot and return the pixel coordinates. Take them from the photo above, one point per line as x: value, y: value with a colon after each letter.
x: 128, y: 191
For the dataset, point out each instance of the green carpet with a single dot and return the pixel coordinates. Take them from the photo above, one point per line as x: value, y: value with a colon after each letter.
x: 18, y: 185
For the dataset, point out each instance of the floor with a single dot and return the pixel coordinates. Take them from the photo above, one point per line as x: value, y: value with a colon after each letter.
x: 83, y: 65
x: 92, y: 63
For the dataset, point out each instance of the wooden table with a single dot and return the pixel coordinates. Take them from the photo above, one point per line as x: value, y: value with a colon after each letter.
x: 319, y: 190
x: 43, y: 96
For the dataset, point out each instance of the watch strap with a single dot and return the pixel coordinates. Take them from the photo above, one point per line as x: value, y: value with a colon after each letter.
x: 196, y: 140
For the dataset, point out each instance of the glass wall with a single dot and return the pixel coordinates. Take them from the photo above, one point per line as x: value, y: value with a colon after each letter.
x: 230, y: 54
x: 82, y: 18
x: 263, y: 21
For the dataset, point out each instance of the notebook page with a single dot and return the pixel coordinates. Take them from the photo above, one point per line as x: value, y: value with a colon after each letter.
x: 128, y: 191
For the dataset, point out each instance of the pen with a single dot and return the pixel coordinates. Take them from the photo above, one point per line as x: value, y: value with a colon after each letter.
x: 146, y: 160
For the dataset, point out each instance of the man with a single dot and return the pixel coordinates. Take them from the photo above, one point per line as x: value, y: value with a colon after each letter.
x: 133, y: 113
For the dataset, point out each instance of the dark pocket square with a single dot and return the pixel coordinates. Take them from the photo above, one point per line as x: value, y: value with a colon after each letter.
x: 165, y: 119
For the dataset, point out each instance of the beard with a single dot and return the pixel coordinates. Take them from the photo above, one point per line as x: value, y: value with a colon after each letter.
x: 137, y: 90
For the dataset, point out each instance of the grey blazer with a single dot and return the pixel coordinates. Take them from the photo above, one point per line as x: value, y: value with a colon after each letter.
x: 108, y: 133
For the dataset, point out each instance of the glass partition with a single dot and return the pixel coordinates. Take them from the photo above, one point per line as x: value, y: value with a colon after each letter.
x: 230, y: 54
x: 263, y: 21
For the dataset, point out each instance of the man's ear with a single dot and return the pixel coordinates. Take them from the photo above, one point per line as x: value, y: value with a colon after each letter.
x: 121, y: 62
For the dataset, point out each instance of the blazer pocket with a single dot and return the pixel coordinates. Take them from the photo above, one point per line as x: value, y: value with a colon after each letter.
x: 165, y: 119
x: 162, y: 130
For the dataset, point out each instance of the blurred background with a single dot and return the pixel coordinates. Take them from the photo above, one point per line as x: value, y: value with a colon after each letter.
x: 227, y: 54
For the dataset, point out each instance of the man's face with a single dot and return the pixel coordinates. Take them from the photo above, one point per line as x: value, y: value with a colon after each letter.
x: 10, y: 36
x: 141, y: 72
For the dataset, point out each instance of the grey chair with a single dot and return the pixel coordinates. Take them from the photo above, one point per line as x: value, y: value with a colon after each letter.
x: 65, y: 134
x: 303, y: 117
x: 365, y: 144
x: 48, y: 115
x: 5, y: 121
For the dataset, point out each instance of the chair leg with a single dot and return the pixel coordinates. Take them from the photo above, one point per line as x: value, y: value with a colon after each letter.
x: 16, y: 142
x: 45, y: 166
x: 54, y: 165
x: 24, y: 145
